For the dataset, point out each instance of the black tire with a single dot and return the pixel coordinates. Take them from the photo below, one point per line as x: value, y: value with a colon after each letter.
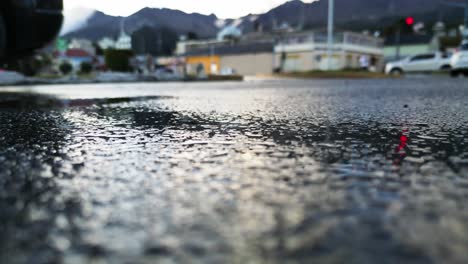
x: 454, y: 73
x: 396, y: 72
x: 446, y: 68
x: 3, y: 36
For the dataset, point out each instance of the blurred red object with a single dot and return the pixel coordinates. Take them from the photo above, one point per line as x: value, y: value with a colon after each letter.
x: 409, y: 21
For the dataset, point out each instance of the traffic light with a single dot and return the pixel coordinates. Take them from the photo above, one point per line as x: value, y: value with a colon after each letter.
x: 409, y: 21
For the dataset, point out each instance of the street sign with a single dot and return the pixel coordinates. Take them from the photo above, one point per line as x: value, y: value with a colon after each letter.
x: 61, y: 45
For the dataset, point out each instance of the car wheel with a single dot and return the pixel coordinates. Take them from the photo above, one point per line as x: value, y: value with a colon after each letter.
x: 445, y: 68
x: 396, y: 72
x: 2, y: 37
x: 454, y: 73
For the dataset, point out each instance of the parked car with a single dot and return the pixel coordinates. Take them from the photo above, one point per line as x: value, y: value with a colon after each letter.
x: 429, y: 62
x: 26, y: 25
x: 227, y: 71
x: 459, y: 62
x: 167, y: 74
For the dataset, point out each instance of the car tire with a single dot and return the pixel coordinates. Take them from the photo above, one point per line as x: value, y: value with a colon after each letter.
x: 3, y: 36
x: 454, y: 73
x: 396, y: 72
x: 446, y: 68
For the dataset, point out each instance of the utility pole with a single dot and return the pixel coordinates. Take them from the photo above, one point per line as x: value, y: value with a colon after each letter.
x: 331, y: 12
x: 409, y: 21
x: 398, y: 42
x: 300, y: 27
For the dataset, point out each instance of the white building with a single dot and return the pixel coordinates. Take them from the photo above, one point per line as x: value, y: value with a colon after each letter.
x: 107, y: 43
x: 284, y: 51
x: 124, y: 42
x: 307, y: 51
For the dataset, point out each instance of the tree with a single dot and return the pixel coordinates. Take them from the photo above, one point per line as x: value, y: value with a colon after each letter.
x: 86, y: 68
x: 99, y: 50
x: 118, y: 60
x: 65, y: 68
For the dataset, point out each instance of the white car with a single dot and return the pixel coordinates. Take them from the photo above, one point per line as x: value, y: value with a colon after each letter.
x: 167, y: 74
x: 227, y: 71
x: 459, y: 62
x: 429, y: 62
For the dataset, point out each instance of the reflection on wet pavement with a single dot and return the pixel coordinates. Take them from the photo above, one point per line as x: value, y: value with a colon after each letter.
x: 271, y: 172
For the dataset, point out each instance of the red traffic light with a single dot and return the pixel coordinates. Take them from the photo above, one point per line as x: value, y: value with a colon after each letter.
x: 409, y: 21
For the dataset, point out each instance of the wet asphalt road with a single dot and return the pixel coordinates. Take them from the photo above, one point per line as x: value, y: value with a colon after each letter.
x: 256, y: 172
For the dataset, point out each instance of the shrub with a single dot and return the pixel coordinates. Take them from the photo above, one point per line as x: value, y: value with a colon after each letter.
x: 86, y: 68
x: 65, y: 68
x: 118, y: 60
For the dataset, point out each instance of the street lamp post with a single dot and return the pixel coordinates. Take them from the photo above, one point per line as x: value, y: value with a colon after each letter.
x: 331, y: 7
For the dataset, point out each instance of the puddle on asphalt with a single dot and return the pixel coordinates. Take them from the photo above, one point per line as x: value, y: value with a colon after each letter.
x: 12, y: 100
x: 154, y: 179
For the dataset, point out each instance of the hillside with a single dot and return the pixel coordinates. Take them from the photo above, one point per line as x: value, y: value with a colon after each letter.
x: 100, y: 24
x: 350, y: 14
x: 359, y: 14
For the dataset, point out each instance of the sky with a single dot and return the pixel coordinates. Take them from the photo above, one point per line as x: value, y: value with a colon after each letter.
x: 221, y: 8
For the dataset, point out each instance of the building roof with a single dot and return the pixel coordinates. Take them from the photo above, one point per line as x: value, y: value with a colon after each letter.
x: 409, y: 40
x: 233, y: 49
x: 77, y: 53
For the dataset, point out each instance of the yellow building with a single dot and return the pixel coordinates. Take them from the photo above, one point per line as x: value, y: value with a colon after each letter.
x: 244, y: 58
x: 211, y: 64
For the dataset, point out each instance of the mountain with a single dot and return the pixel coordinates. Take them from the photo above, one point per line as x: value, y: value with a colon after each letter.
x: 99, y: 24
x: 358, y: 14
x: 350, y: 14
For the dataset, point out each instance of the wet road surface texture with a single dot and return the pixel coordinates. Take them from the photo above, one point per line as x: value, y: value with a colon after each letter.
x: 254, y: 172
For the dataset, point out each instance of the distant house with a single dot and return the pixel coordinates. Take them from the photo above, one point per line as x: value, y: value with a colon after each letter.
x: 308, y: 51
x: 286, y: 51
x: 78, y: 56
x: 106, y: 43
x: 82, y: 44
x: 124, y: 42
